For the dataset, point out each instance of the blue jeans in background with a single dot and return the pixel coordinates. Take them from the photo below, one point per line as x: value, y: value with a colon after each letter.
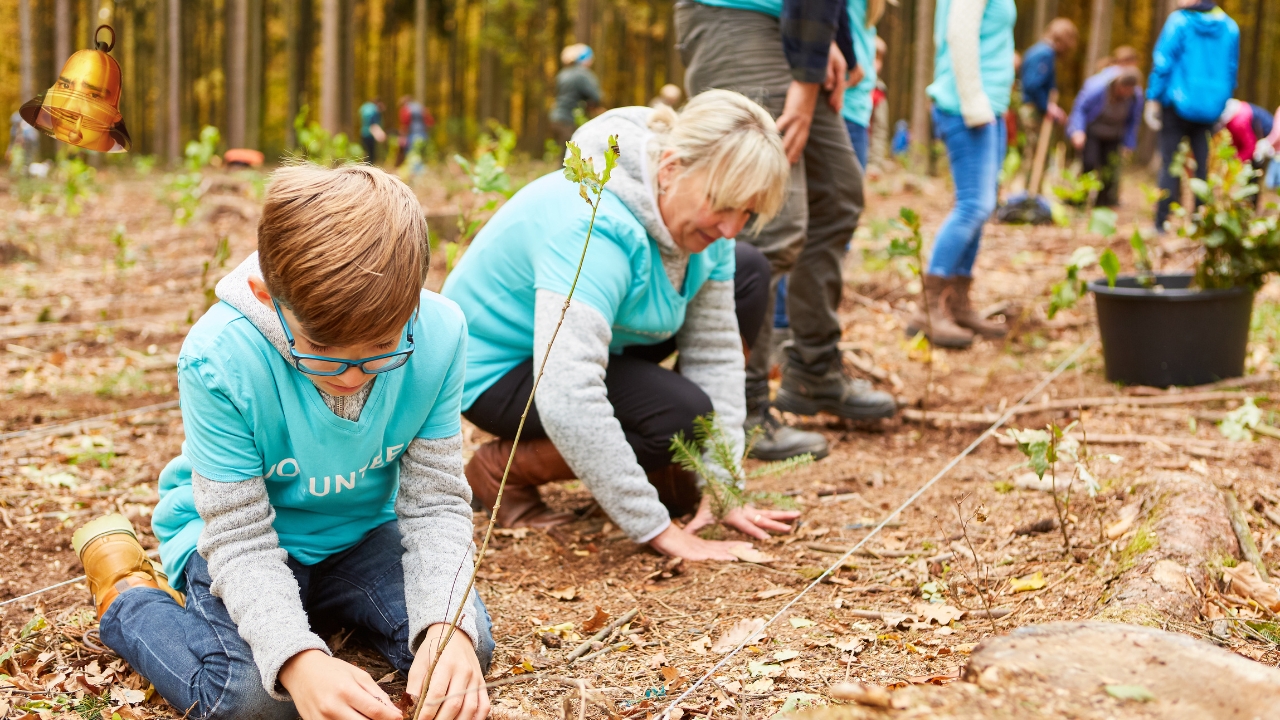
x: 976, y: 155
x: 861, y: 141
x: 199, y: 663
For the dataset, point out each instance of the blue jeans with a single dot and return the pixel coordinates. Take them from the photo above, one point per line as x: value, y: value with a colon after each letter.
x: 976, y: 155
x: 198, y: 662
x: 861, y: 141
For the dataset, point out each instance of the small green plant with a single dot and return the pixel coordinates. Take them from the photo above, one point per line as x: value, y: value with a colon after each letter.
x: 1073, y: 189
x: 1102, y: 221
x: 91, y: 707
x: 77, y: 183
x: 715, y: 459
x: 123, y: 259
x: 1241, y: 248
x: 318, y: 146
x: 911, y: 247
x: 1238, y: 424
x: 183, y: 190
x: 1043, y: 449
x: 129, y: 381
x: 1066, y: 293
x: 488, y: 176
x: 221, y: 253
x: 144, y: 164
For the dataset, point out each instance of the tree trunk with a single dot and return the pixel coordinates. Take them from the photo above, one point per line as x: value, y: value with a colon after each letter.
x: 1040, y: 18
x: 62, y: 28
x: 921, y: 77
x: 1259, y: 68
x: 1099, y: 35
x: 173, y: 134
x: 27, y: 81
x: 582, y: 26
x: 127, y: 19
x: 297, y: 19
x: 420, y: 51
x: 331, y: 66
x: 254, y: 73
x: 236, y: 58
x: 347, y: 68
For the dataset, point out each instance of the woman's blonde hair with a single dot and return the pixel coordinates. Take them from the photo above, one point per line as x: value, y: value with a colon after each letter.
x: 736, y: 142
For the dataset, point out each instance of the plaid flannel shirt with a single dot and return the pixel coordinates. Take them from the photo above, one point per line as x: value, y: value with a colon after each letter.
x: 808, y: 27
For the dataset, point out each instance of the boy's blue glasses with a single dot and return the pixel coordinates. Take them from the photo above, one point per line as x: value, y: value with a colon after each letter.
x: 329, y: 367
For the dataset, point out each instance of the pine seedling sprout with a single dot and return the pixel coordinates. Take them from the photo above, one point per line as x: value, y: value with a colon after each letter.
x: 713, y: 457
x: 911, y: 246
x: 591, y: 184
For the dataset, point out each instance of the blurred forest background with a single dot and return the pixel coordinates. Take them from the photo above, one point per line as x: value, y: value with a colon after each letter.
x: 249, y: 67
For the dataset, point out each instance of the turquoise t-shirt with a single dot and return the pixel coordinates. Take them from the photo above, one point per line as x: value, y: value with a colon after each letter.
x: 533, y: 243
x: 248, y: 413
x: 768, y: 7
x: 995, y: 49
x: 370, y: 115
x: 857, y: 99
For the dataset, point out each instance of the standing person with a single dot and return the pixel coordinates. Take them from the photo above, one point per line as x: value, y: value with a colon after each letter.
x: 1040, y: 78
x: 784, y: 54
x: 1105, y: 118
x: 415, y: 126
x: 576, y: 89
x: 660, y: 275
x: 858, y: 99
x: 371, y: 132
x: 880, y: 130
x: 1193, y: 74
x: 972, y: 80
x: 24, y: 141
x: 308, y: 366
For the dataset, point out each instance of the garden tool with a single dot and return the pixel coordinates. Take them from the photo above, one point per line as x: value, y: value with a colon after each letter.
x: 83, y: 106
x: 114, y: 561
x: 1030, y: 207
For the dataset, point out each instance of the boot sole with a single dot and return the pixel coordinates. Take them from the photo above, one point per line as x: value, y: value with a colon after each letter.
x: 801, y: 405
x: 911, y: 332
x: 817, y: 454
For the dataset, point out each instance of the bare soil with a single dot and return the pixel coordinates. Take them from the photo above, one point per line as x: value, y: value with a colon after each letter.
x: 90, y: 328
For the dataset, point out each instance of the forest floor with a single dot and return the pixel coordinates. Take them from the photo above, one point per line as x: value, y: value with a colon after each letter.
x: 94, y: 308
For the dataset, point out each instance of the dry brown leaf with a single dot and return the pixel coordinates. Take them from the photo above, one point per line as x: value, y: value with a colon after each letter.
x: 933, y: 612
x: 772, y: 593
x: 763, y: 685
x: 597, y: 621
x: 1245, y: 581
x: 1124, y: 520
x: 700, y: 646
x: 564, y: 593
x: 739, y: 633
x: 658, y: 660
x: 863, y: 694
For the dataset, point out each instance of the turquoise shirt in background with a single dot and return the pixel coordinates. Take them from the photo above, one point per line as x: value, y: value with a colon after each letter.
x: 857, y: 99
x: 996, y: 47
x: 248, y: 413
x: 768, y: 7
x: 534, y: 243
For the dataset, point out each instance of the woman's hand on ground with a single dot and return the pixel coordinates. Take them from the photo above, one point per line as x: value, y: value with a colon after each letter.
x: 326, y: 688
x: 759, y: 523
x: 676, y: 542
x: 457, y: 677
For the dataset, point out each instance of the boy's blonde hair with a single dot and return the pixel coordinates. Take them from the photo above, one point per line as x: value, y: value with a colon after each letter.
x: 738, y: 144
x: 345, y: 249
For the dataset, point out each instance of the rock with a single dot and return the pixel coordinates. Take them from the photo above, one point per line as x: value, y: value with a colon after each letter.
x: 1087, y: 671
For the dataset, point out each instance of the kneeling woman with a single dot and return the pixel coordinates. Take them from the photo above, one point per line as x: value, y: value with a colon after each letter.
x: 659, y: 277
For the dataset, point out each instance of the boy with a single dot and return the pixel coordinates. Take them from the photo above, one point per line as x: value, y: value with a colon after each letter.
x: 320, y: 480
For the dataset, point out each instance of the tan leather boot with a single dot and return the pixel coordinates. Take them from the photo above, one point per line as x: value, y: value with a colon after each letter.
x: 677, y: 489
x: 114, y: 561
x: 537, y: 462
x: 938, y: 325
x: 964, y: 314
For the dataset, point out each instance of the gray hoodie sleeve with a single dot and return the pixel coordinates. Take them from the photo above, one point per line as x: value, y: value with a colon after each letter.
x: 434, y: 511
x: 711, y: 356
x: 249, y: 574
x: 579, y: 419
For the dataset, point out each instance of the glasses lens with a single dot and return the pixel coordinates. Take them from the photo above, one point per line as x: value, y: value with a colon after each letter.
x: 385, y: 364
x: 319, y: 366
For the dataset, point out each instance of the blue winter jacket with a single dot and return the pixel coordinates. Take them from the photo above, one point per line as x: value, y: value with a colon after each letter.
x: 1093, y: 99
x: 1195, y: 62
x: 1039, y: 74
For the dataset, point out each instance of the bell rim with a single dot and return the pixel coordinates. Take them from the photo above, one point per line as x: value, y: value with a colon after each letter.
x: 30, y: 112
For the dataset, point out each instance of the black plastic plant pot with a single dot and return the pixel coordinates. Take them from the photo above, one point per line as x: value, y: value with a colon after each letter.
x: 1173, y: 335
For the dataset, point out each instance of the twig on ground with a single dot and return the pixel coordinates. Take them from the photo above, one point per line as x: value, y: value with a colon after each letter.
x: 600, y: 636
x: 1240, y: 525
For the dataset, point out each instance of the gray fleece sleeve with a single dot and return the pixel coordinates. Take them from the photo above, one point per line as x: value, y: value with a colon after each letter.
x: 434, y: 511
x: 248, y: 571
x: 579, y: 419
x: 711, y: 356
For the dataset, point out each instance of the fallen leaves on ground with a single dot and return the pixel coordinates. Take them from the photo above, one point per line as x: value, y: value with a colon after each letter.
x: 1246, y: 582
x: 1034, y: 581
x: 738, y: 634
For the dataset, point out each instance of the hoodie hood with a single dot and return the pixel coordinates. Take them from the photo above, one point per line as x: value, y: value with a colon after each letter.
x: 632, y: 180
x: 1206, y: 18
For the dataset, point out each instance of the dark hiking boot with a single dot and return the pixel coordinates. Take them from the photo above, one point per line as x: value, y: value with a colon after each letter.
x: 778, y: 441
x: 805, y: 393
x: 537, y: 462
x: 937, y: 324
x: 964, y: 314
x: 114, y: 561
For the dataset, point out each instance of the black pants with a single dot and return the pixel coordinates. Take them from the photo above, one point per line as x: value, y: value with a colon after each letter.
x: 651, y: 402
x: 1103, y: 158
x: 1173, y: 129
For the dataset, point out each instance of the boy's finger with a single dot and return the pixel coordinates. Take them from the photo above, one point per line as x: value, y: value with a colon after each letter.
x: 482, y: 700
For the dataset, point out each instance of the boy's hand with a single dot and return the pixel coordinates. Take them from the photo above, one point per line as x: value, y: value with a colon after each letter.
x: 675, y: 542
x: 326, y: 688
x: 747, y: 519
x: 457, y: 677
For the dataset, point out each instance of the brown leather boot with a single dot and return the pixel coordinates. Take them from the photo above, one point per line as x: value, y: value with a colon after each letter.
x: 677, y: 489
x: 114, y: 561
x: 966, y: 316
x: 938, y: 325
x: 537, y: 462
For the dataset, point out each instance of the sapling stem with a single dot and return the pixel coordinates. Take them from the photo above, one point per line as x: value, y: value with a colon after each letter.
x: 584, y: 174
x: 1053, y: 489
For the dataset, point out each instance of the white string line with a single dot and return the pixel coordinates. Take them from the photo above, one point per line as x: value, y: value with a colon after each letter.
x: 1008, y: 413
x: 42, y: 590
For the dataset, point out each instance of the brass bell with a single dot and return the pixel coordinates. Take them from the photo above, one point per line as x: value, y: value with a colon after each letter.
x: 83, y: 106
